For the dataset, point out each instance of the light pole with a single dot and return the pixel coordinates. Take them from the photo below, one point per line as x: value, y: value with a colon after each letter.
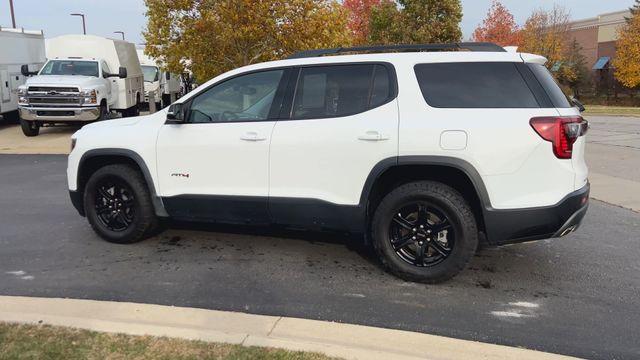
x: 84, y: 27
x: 13, y: 17
x: 120, y: 32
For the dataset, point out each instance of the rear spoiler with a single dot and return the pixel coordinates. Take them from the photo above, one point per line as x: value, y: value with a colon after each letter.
x: 531, y: 58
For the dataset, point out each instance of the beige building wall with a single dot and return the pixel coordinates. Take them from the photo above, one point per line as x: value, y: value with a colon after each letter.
x: 597, y: 35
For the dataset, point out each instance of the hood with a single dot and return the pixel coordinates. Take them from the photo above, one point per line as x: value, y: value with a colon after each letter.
x: 62, y: 80
x: 115, y: 122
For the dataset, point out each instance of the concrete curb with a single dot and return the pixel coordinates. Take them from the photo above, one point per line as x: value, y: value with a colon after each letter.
x: 334, y: 339
x: 616, y: 191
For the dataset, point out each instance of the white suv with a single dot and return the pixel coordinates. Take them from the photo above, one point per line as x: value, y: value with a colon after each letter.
x: 425, y: 150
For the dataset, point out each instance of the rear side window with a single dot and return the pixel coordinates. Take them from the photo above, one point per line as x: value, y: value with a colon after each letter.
x: 474, y: 85
x: 340, y: 90
x: 546, y: 80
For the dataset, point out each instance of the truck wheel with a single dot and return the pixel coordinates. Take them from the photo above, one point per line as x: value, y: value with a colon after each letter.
x: 12, y: 117
x: 118, y: 204
x: 133, y: 111
x: 104, y: 113
x: 424, y: 231
x: 30, y: 128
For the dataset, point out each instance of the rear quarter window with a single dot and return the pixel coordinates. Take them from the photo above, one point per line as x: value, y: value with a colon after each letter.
x: 474, y: 85
x: 546, y: 80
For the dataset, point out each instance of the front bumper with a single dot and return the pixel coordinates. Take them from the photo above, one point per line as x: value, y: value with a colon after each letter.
x: 76, y: 201
x: 520, y: 225
x: 54, y: 114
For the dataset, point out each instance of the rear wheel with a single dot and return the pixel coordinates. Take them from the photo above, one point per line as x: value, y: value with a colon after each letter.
x: 30, y: 128
x: 12, y: 117
x: 424, y: 231
x: 118, y: 204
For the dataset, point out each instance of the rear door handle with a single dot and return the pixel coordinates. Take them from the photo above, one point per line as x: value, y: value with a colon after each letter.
x: 373, y: 136
x: 252, y: 136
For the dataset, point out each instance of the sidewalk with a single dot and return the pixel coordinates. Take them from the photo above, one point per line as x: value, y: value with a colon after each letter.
x: 334, y: 339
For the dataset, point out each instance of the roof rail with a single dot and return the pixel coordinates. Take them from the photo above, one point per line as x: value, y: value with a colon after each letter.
x: 468, y: 46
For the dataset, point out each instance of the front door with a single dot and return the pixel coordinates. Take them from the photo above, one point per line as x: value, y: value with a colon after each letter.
x: 215, y: 165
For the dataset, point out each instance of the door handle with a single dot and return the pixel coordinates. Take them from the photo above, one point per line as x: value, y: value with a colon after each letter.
x: 373, y: 136
x: 252, y: 136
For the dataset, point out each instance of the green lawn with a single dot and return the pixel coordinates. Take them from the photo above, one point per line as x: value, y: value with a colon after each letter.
x: 611, y: 110
x: 49, y: 342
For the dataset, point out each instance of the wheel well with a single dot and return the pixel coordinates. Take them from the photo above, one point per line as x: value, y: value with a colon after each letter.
x: 448, y: 175
x: 92, y: 164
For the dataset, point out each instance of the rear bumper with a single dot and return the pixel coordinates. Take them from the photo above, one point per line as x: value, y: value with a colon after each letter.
x: 53, y: 114
x: 520, y: 225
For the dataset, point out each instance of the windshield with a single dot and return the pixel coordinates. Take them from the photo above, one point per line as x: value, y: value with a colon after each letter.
x: 150, y: 73
x: 70, y: 67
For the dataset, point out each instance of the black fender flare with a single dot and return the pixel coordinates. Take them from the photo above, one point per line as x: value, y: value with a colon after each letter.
x: 155, y: 199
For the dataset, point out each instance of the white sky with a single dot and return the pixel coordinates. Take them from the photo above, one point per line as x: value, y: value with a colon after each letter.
x: 106, y: 16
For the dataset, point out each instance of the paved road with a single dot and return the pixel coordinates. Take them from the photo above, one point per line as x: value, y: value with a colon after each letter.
x: 578, y: 295
x: 613, y: 146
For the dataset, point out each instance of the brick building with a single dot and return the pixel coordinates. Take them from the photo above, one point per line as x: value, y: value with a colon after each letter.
x: 597, y: 36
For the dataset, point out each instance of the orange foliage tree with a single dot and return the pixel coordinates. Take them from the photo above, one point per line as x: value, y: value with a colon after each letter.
x: 359, y: 17
x: 498, y: 27
x: 626, y: 63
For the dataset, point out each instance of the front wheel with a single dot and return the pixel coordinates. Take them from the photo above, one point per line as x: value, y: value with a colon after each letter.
x: 118, y: 204
x: 424, y: 231
x: 30, y: 128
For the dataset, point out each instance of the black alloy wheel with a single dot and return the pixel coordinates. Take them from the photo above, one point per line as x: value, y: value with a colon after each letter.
x: 421, y: 234
x: 114, y: 204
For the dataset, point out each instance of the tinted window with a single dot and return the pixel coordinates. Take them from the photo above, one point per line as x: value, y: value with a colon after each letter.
x: 381, y: 88
x: 243, y: 98
x: 474, y: 85
x: 340, y: 90
x: 558, y: 98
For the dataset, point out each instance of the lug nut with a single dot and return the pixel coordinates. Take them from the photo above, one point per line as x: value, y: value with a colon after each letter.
x: 414, y: 238
x: 414, y: 229
x: 420, y: 243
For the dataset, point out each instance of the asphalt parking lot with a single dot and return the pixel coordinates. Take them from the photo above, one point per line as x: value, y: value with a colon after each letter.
x: 578, y: 295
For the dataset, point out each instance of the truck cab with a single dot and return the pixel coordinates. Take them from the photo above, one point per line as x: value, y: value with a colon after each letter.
x: 160, y: 86
x: 85, y: 78
x: 69, y: 89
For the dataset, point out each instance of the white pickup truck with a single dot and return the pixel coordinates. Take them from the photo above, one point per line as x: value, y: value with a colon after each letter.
x: 85, y: 78
x: 165, y: 86
x: 27, y: 48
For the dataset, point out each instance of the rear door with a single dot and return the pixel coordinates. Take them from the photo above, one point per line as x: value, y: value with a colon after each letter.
x: 339, y: 123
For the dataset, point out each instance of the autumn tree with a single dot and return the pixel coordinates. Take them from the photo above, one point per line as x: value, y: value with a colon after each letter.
x: 416, y: 22
x: 575, y: 74
x: 359, y: 12
x: 546, y: 33
x: 213, y: 36
x: 626, y: 63
x: 498, y: 27
x: 635, y: 10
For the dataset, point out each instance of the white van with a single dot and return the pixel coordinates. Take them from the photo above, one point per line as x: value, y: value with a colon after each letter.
x: 164, y: 85
x: 27, y: 47
x: 85, y: 78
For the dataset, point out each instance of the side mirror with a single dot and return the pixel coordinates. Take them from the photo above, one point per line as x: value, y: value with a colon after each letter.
x: 175, y: 114
x: 122, y: 72
x: 24, y: 69
x: 577, y: 103
x: 167, y: 76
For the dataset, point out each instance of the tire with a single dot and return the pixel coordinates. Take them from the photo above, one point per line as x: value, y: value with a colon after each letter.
x: 12, y: 117
x: 30, y: 128
x: 136, y: 219
x: 444, y: 254
x: 104, y: 113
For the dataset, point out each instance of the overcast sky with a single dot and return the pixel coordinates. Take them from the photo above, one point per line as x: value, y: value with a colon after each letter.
x: 106, y: 16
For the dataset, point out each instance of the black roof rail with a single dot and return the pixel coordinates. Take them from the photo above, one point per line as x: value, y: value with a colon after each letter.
x: 468, y: 46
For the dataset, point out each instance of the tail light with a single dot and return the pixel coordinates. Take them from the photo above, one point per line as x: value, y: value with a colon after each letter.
x: 561, y: 131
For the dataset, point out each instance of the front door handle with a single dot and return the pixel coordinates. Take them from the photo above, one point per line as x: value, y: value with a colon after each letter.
x: 252, y: 136
x: 373, y: 136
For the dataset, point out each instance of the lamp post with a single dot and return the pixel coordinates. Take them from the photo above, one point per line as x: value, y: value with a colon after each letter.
x: 84, y: 26
x: 13, y: 17
x: 120, y: 32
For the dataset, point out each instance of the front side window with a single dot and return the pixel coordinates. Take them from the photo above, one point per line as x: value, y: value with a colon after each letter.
x: 474, y: 85
x: 105, y: 69
x: 340, y: 90
x: 70, y: 67
x: 150, y: 73
x: 243, y: 98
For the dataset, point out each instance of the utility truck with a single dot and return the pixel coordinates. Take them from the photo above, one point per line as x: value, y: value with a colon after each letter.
x: 17, y: 47
x: 85, y: 79
x: 164, y: 86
